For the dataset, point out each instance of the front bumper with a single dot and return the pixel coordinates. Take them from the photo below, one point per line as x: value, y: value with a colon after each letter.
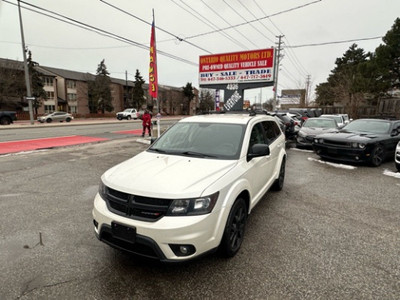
x: 304, y: 141
x: 154, y: 239
x: 354, y: 155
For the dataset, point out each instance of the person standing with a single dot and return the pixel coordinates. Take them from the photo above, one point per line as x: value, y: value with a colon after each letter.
x: 146, y: 122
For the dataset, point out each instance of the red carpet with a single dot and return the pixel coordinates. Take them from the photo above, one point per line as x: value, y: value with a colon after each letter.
x: 29, y: 145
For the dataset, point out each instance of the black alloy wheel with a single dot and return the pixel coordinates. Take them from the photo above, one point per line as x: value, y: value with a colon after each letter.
x: 377, y: 155
x: 49, y: 120
x: 278, y: 184
x: 234, y: 229
x: 68, y: 119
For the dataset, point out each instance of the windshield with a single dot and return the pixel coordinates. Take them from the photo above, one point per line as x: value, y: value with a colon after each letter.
x: 320, y: 123
x: 205, y: 140
x: 127, y: 110
x: 370, y: 126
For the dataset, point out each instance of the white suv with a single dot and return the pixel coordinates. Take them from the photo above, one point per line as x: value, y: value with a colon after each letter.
x: 191, y: 191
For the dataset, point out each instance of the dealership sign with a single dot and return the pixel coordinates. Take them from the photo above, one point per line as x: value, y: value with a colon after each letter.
x: 237, y: 67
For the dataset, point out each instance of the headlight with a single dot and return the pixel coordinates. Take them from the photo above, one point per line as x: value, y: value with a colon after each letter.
x: 193, y: 206
x: 358, y: 145
x: 103, y: 190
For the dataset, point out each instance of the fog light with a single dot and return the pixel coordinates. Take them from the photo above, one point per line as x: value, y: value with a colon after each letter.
x: 182, y: 250
x: 357, y: 158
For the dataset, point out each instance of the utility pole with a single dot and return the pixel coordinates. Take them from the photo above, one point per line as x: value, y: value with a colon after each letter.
x: 126, y: 89
x: 308, y: 80
x: 277, y: 62
x: 27, y: 81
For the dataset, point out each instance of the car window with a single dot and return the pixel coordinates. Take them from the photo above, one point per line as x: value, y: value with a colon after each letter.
x: 271, y: 131
x: 257, y: 136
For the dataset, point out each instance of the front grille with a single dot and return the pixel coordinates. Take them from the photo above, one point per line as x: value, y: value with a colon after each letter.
x: 337, y: 143
x: 136, y: 207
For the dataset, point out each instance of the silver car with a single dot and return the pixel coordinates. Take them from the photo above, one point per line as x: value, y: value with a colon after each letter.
x: 58, y: 116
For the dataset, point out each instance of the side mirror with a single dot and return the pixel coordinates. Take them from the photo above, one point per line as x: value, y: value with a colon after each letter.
x: 258, y: 150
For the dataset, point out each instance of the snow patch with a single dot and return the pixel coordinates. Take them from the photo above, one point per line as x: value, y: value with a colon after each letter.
x: 347, y: 167
x: 302, y: 150
x: 392, y: 174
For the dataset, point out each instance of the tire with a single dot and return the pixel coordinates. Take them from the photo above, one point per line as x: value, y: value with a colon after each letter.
x: 377, y: 156
x: 234, y: 229
x: 398, y: 167
x: 49, y: 120
x: 5, y: 121
x: 128, y: 118
x: 278, y: 184
x: 68, y: 119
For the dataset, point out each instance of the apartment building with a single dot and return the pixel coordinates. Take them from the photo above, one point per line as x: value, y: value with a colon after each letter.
x: 67, y: 90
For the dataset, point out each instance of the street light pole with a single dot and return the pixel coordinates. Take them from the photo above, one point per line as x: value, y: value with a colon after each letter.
x: 27, y: 81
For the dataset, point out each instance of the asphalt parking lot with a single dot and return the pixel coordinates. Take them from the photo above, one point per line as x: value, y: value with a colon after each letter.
x: 331, y: 233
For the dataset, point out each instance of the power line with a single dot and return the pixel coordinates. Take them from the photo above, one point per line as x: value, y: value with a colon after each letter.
x: 337, y: 42
x: 220, y: 16
x: 207, y: 22
x: 240, y: 15
x: 254, y: 16
x: 159, y: 28
x: 255, y: 20
x: 98, y: 30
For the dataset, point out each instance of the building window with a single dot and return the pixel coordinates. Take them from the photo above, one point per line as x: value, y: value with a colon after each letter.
x: 73, y: 109
x: 50, y: 95
x: 71, y: 97
x: 49, y: 108
x: 48, y: 81
x: 71, y: 84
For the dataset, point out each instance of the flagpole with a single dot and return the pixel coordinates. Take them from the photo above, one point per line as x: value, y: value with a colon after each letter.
x: 156, y: 71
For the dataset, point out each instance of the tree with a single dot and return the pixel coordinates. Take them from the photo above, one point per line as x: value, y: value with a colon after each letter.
x: 206, y: 101
x: 37, y: 85
x: 387, y: 60
x: 138, y: 92
x: 347, y: 83
x: 99, y: 91
x: 12, y: 83
x: 188, y: 95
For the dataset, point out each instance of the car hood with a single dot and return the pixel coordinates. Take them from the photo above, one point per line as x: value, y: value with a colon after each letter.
x: 316, y: 130
x: 361, y: 137
x: 166, y: 176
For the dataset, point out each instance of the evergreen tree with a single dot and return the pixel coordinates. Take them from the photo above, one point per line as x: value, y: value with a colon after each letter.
x: 387, y: 59
x: 138, y: 92
x: 189, y: 96
x: 37, y: 84
x: 99, y: 91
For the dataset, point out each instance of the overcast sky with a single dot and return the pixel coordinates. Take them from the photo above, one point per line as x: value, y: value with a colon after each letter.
x: 205, y: 27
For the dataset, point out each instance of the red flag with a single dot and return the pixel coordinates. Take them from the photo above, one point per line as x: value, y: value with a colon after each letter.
x: 153, y: 80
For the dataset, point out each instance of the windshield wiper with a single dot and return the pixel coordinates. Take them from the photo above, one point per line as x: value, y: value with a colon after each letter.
x: 157, y: 150
x: 196, y: 154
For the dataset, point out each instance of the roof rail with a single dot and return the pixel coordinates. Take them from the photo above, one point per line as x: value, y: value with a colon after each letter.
x: 251, y: 112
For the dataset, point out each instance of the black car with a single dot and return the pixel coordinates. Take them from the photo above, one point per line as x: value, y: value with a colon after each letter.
x: 363, y: 140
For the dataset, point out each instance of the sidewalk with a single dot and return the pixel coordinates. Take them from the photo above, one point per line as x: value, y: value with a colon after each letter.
x: 75, y: 122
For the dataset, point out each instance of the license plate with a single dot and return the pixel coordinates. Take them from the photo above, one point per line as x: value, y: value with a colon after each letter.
x: 123, y: 232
